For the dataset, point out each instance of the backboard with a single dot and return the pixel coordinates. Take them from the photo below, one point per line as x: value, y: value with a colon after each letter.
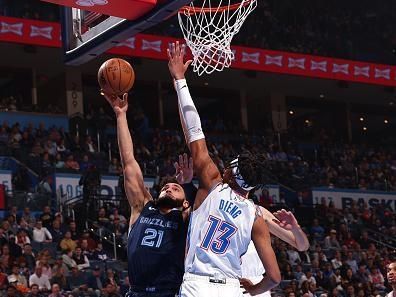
x: 91, y: 27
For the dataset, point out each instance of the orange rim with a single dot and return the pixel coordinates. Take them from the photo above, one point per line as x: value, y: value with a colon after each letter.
x: 191, y: 10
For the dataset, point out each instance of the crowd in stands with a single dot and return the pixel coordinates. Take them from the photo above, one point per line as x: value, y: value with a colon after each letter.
x: 14, y: 103
x: 330, y: 164
x: 47, y: 255
x: 360, y: 30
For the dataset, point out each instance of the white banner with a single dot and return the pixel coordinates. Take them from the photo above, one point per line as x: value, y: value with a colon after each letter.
x: 5, y: 179
x: 67, y: 184
x: 343, y: 198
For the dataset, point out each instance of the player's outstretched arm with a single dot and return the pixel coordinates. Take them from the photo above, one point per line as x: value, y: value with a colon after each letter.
x: 204, y: 167
x: 135, y: 190
x: 284, y: 225
x: 262, y: 242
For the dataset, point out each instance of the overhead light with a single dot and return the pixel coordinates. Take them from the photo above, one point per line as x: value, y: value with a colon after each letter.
x: 291, y: 112
x: 321, y: 96
x: 364, y: 128
x: 391, y: 103
x: 206, y: 83
x: 306, y: 121
x: 386, y: 121
x: 361, y: 119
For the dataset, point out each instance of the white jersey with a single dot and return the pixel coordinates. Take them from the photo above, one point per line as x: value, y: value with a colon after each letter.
x: 219, y: 233
x: 251, y: 263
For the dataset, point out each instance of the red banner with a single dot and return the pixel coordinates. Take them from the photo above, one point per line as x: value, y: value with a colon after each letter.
x: 151, y: 46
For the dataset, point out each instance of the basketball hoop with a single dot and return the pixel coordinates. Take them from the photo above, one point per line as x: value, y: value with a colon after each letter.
x: 208, y: 31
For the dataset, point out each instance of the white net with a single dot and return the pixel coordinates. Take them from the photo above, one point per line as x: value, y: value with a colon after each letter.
x: 209, y: 30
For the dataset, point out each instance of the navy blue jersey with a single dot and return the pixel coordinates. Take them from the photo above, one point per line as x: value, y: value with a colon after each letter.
x: 156, y: 249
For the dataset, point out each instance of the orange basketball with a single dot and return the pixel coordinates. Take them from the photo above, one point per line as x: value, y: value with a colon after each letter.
x: 116, y: 76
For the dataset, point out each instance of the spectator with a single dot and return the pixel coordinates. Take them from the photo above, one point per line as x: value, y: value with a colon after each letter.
x: 103, y: 220
x: 116, y: 214
x: 39, y: 279
x: 95, y: 281
x: 351, y: 262
x: 331, y: 241
x: 29, y: 257
x: 43, y: 262
x: 56, y: 231
x: 68, y: 260
x: 59, y: 163
x: 110, y: 291
x: 41, y: 234
x: 34, y: 291
x: 22, y: 238
x: 55, y: 291
x: 308, y: 277
x: 59, y: 265
x: 81, y: 260
x: 71, y: 163
x: 336, y: 262
x: 77, y: 281
x: 114, y: 167
x: 293, y: 256
x: 6, y: 258
x: 86, y: 240
x: 67, y: 243
x: 73, y: 230
x: 12, y: 291
x: 377, y: 279
x: 60, y: 279
x: 47, y: 217
x: 20, y: 279
x: 28, y: 217
x: 99, y: 253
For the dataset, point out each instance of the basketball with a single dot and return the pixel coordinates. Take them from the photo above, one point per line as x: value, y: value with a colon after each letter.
x: 116, y: 76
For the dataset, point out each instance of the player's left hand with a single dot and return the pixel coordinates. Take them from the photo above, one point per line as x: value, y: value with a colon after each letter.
x: 285, y: 219
x: 184, y: 169
x: 177, y: 67
x: 247, y: 285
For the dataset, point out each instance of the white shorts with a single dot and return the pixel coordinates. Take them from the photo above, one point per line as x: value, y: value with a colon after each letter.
x: 255, y: 280
x: 205, y: 286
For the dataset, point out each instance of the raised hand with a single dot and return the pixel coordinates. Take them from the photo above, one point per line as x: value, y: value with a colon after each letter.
x: 177, y: 67
x: 119, y: 105
x: 184, y: 169
x: 286, y: 219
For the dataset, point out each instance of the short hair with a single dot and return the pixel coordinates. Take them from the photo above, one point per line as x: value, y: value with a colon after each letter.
x: 33, y: 285
x: 255, y: 169
x: 167, y: 180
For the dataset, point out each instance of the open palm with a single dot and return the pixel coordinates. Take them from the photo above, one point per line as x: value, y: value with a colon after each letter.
x: 184, y: 169
x: 119, y: 105
x: 286, y: 219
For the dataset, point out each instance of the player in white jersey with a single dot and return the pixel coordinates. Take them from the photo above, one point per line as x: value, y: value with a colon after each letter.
x: 283, y: 225
x: 391, y: 276
x: 223, y: 221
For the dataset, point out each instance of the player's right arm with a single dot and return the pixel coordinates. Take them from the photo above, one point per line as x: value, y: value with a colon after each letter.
x: 204, y: 167
x: 262, y: 242
x: 135, y: 190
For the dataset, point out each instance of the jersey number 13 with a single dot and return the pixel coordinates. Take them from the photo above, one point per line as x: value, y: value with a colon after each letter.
x: 218, y: 244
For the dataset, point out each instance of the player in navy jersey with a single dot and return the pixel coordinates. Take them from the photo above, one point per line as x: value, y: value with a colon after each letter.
x: 157, y: 233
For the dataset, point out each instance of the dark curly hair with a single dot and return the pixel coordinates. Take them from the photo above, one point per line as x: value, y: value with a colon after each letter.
x: 166, y: 180
x: 255, y: 169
